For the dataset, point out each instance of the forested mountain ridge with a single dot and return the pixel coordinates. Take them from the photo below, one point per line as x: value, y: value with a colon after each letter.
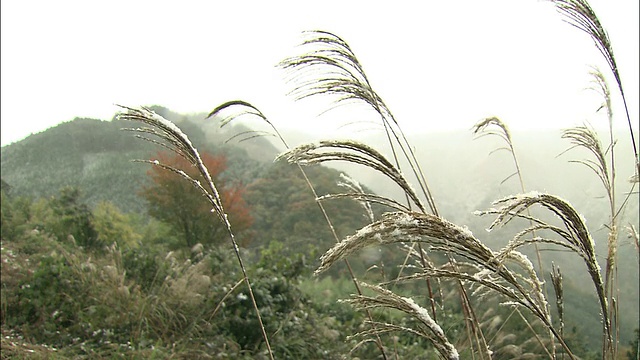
x: 96, y: 156
x: 89, y: 154
x: 464, y: 174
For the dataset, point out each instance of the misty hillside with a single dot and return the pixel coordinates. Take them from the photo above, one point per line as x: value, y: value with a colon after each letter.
x: 465, y: 175
x: 96, y: 156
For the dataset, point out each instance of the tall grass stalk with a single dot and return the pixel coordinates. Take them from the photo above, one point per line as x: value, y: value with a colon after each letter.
x: 586, y: 138
x: 579, y: 14
x: 248, y: 109
x: 160, y: 131
x: 341, y: 75
x: 429, y: 330
x: 493, y: 126
x: 329, y: 67
x: 556, y: 280
x: 494, y: 272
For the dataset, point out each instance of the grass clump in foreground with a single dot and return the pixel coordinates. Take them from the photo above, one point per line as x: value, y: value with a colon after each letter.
x: 62, y: 302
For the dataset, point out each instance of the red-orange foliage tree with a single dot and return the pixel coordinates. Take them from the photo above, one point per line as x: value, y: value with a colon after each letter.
x: 177, y: 202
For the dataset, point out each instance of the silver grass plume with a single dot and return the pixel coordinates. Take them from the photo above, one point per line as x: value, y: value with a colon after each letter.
x: 399, y: 227
x: 341, y: 74
x: 575, y: 235
x: 250, y: 109
x: 387, y: 299
x: 556, y: 280
x: 354, y: 152
x: 329, y: 67
x: 442, y: 235
x: 579, y: 14
x: 367, y: 198
x: 163, y: 132
x: 585, y: 137
x: 493, y: 126
x: 356, y: 189
x: 246, y: 109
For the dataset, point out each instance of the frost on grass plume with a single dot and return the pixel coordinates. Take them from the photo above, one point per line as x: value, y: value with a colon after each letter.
x: 424, y: 316
x: 403, y: 226
x: 388, y: 299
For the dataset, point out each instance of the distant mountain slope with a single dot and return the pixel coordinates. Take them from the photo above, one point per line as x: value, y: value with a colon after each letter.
x: 90, y: 154
x: 96, y: 156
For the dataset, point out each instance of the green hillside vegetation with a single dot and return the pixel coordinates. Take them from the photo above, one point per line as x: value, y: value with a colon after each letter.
x: 62, y: 300
x: 95, y: 156
x: 85, y: 153
x: 287, y: 219
x: 65, y: 258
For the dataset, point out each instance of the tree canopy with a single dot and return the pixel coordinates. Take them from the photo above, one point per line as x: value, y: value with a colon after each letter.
x: 177, y: 202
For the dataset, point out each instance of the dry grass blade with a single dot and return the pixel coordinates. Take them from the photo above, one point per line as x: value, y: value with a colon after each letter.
x: 495, y: 127
x: 354, y: 152
x: 360, y: 196
x: 333, y: 57
x: 328, y: 66
x: 449, y: 238
x: 174, y: 139
x: 401, y: 227
x: 556, y: 280
x: 249, y: 109
x: 162, y: 131
x: 580, y: 15
x: 483, y: 128
x: 248, y: 135
x: 388, y: 299
x: 488, y: 127
x: 585, y: 137
x: 519, y: 240
x: 484, y: 279
x: 368, y: 198
x: 245, y: 109
x: 576, y: 234
x: 602, y: 88
x: 441, y: 235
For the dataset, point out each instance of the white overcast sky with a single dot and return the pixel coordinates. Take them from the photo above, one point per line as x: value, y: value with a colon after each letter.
x: 437, y: 64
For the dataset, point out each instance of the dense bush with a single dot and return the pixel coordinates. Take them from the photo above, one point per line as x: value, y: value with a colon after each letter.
x: 148, y: 301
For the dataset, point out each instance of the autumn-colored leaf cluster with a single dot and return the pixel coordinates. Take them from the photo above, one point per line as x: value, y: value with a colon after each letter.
x: 180, y: 204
